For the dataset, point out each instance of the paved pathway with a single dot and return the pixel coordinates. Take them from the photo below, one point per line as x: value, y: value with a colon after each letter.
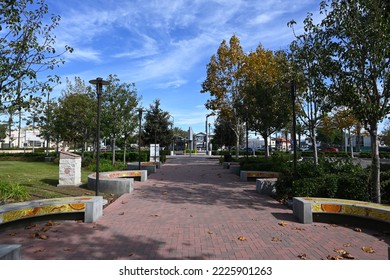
x: 192, y: 208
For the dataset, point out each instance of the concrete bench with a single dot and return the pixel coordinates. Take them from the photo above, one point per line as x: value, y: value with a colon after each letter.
x: 91, y: 206
x: 150, y: 167
x: 117, y: 182
x: 266, y: 186
x: 304, y: 208
x: 10, y: 252
x: 244, y: 175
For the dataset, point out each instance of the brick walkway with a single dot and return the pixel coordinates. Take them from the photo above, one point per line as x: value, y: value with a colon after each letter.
x: 192, y: 208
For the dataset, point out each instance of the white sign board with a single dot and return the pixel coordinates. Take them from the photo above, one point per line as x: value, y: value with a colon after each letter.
x: 154, y: 152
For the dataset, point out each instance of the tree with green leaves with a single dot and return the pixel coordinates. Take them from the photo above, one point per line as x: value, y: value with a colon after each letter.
x: 223, y: 135
x: 267, y: 102
x: 353, y: 47
x: 157, y: 126
x: 27, y: 50
x: 119, y: 116
x: 312, y: 92
x: 224, y: 83
x: 76, y: 113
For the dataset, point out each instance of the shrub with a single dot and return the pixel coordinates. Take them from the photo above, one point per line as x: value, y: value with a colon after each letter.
x: 278, y: 162
x: 9, y: 192
x: 330, y: 178
x: 105, y: 165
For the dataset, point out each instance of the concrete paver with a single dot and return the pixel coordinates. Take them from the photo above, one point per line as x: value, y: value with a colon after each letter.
x: 192, y: 208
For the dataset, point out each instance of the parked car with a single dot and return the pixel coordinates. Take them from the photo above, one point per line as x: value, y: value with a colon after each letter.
x: 329, y: 150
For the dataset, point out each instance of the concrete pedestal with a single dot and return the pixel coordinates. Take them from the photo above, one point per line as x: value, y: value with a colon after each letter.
x: 70, y: 170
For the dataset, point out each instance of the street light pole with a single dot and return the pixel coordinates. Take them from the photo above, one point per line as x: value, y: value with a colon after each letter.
x: 207, y: 140
x: 140, y: 110
x: 293, y: 96
x: 99, y: 82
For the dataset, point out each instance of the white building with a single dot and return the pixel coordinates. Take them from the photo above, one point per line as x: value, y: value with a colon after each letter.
x: 26, y: 138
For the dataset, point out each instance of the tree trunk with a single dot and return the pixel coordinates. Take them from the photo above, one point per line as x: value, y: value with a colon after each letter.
x: 314, y: 143
x: 375, y: 167
x: 350, y: 142
x: 265, y: 137
x: 113, y: 150
x: 124, y: 152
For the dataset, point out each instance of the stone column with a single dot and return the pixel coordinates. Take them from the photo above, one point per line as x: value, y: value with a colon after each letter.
x: 70, y: 170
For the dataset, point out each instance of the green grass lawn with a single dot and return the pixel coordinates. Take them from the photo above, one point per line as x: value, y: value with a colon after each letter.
x: 40, y: 179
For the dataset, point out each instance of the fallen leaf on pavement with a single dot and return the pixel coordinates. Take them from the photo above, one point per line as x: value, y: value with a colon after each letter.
x: 12, y: 233
x: 44, y: 229
x: 276, y: 239
x: 334, y: 257
x: 347, y: 245
x: 298, y: 228
x: 302, y: 256
x: 348, y: 256
x: 368, y: 249
x: 340, y: 251
x: 40, y: 236
x: 210, y: 232
x: 39, y: 250
x: 333, y: 225
x: 357, y: 229
x: 50, y: 223
x: 165, y: 193
x: 123, y: 202
x: 122, y: 213
x: 30, y: 226
x: 242, y: 238
x: 283, y: 224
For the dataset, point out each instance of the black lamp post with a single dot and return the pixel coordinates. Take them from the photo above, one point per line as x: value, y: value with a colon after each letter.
x: 140, y: 110
x: 294, y: 136
x: 209, y: 140
x: 99, y: 82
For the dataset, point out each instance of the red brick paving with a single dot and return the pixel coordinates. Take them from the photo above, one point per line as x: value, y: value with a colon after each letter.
x: 192, y: 208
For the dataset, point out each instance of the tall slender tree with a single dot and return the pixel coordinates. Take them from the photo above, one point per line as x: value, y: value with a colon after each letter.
x: 157, y: 126
x: 119, y: 116
x: 224, y: 83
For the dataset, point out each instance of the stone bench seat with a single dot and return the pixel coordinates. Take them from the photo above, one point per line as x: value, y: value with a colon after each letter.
x: 150, y: 167
x: 117, y: 182
x: 244, y: 174
x: 304, y: 208
x: 91, y: 206
x: 266, y: 186
x: 10, y: 251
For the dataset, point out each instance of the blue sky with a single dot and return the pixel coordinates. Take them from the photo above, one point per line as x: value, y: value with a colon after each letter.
x: 163, y: 46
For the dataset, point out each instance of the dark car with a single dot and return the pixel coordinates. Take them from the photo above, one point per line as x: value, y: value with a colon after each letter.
x: 329, y: 150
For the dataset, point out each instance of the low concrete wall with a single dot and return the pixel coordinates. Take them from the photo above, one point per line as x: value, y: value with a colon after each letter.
x: 245, y: 174
x: 92, y: 206
x: 117, y: 182
x: 266, y: 186
x: 150, y: 167
x: 10, y: 252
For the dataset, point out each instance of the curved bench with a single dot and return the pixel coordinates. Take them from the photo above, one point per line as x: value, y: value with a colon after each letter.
x: 148, y: 166
x: 91, y: 206
x: 117, y: 182
x: 245, y: 174
x: 305, y: 207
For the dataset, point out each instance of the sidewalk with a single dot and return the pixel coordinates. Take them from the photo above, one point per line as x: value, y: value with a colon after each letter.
x: 192, y: 208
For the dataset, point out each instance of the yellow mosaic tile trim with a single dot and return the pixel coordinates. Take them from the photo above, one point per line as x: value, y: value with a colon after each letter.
x: 42, y: 210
